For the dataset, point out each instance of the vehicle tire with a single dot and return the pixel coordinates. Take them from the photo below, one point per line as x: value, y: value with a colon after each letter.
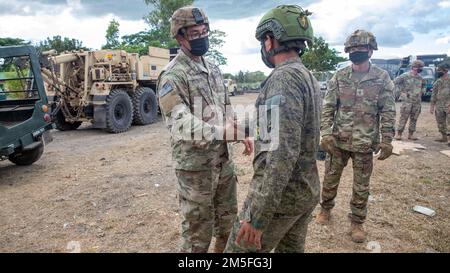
x: 63, y: 125
x: 119, y: 111
x: 145, y: 106
x: 25, y: 158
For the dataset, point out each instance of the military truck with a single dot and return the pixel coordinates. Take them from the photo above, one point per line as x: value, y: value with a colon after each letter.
x: 25, y: 121
x: 112, y: 89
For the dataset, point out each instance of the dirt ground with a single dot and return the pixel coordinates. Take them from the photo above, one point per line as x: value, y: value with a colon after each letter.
x: 98, y: 192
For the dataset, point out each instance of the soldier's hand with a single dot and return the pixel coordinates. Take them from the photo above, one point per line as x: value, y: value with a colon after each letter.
x: 386, y: 150
x: 432, y: 109
x: 249, y: 234
x: 248, y: 142
x: 328, y: 144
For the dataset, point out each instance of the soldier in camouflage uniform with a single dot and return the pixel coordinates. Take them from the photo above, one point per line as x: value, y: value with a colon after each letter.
x: 188, y: 86
x: 285, y: 185
x: 358, y: 106
x: 440, y: 102
x: 411, y: 86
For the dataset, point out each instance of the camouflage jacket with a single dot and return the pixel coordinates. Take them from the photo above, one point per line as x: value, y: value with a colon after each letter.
x: 441, y: 93
x: 183, y: 84
x: 412, y: 86
x: 356, y: 112
x: 285, y: 171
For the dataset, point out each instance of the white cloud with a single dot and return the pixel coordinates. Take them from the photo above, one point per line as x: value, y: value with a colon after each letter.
x: 444, y: 4
x: 90, y: 30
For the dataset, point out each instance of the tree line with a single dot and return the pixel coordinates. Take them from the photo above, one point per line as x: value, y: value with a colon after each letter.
x: 317, y: 58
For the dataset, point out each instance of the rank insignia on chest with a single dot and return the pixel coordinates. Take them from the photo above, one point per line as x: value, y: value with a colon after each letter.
x: 360, y: 92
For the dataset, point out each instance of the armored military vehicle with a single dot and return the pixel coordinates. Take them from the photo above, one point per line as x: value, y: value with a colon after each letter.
x: 109, y: 88
x: 24, y: 113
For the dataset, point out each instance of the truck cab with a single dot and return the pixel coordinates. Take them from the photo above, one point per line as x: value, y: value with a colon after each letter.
x: 25, y: 120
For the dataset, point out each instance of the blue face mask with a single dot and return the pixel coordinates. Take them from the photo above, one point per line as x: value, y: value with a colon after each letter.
x: 199, y: 46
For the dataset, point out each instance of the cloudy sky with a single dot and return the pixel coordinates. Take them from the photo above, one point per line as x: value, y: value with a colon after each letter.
x: 402, y: 27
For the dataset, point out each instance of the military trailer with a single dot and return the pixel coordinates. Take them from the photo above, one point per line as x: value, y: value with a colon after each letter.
x: 112, y: 89
x: 25, y: 120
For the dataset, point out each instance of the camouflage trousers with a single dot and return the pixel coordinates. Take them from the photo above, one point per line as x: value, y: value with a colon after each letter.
x: 409, y: 111
x: 208, y: 205
x: 362, y: 170
x: 443, y: 120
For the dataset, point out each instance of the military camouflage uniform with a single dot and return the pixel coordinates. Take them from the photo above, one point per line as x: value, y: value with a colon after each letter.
x: 441, y: 99
x: 205, y: 172
x: 285, y: 185
x: 355, y: 112
x: 413, y: 87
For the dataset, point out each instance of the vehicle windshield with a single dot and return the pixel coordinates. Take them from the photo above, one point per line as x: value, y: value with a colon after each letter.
x: 427, y: 72
x: 17, y: 79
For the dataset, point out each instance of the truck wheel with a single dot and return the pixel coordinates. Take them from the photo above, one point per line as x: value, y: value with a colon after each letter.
x: 63, y: 125
x: 119, y: 111
x: 145, y: 106
x: 25, y: 158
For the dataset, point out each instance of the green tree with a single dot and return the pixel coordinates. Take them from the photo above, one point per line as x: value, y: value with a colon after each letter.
x: 60, y: 45
x: 159, y: 19
x: 112, y: 35
x: 12, y: 41
x: 216, y: 42
x: 159, y: 28
x: 320, y: 57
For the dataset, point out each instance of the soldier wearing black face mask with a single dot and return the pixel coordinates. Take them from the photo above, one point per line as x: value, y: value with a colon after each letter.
x: 203, y: 159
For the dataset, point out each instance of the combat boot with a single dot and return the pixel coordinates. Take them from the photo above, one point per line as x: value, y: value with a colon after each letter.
x: 357, y: 233
x: 412, y: 137
x: 443, y: 139
x: 398, y: 136
x: 220, y: 244
x: 324, y: 216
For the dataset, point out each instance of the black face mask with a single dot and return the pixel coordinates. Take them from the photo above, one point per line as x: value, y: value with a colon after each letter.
x: 265, y: 57
x: 358, y: 57
x: 199, y: 46
x: 440, y: 74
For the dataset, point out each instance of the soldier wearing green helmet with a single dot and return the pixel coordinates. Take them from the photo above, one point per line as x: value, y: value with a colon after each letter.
x: 285, y: 185
x: 357, y: 108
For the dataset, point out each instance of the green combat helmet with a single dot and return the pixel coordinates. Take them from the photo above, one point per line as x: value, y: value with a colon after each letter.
x: 187, y: 17
x: 361, y: 38
x: 289, y: 25
x: 418, y: 64
x: 445, y: 67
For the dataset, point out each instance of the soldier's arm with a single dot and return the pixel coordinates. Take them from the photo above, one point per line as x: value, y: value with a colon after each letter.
x: 386, y: 107
x: 281, y: 160
x: 329, y: 108
x: 175, y: 107
x: 434, y: 93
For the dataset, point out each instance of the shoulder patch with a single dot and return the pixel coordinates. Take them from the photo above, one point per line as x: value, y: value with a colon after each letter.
x: 167, y: 87
x: 273, y: 101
